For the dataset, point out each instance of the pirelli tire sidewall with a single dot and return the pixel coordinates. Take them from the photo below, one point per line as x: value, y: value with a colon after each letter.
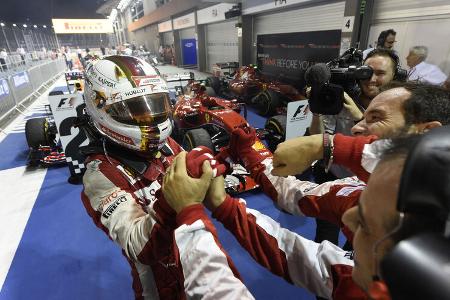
x: 276, y: 126
x: 36, y: 132
x: 267, y: 102
x: 197, y: 137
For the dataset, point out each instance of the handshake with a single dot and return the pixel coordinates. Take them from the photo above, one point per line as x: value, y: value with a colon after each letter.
x: 196, y: 176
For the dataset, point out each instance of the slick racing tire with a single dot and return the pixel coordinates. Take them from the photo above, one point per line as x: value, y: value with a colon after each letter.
x: 276, y: 126
x: 197, y: 137
x: 214, y: 83
x: 267, y: 103
x: 36, y: 132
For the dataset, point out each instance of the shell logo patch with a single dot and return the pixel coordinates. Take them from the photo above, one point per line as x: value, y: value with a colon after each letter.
x: 258, y: 146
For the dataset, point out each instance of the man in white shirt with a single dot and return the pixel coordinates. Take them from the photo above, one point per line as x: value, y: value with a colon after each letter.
x: 422, y: 71
x: 127, y: 50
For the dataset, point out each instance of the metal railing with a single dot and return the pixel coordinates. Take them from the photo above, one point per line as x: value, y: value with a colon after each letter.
x: 20, y: 88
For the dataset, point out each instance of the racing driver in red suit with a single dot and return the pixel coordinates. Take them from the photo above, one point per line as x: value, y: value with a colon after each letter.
x: 129, y: 125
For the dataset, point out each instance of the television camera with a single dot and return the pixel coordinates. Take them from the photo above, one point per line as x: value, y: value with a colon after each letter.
x: 330, y: 80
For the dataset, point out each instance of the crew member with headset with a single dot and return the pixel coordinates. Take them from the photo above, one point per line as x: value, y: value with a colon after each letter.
x: 386, y: 40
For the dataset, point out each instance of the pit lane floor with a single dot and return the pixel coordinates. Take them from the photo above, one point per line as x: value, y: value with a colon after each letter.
x: 50, y: 248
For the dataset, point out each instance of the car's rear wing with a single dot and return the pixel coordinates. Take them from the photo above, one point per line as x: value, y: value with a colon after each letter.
x: 176, y: 81
x: 178, y: 77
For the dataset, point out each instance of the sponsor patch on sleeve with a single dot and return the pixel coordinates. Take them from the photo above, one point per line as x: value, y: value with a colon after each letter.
x: 345, y: 191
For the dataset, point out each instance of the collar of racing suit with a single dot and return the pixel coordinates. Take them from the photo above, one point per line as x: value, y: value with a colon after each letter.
x: 137, y: 164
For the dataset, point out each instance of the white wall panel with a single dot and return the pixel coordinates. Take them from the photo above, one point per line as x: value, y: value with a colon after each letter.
x: 188, y: 33
x: 400, y: 9
x: 221, y: 43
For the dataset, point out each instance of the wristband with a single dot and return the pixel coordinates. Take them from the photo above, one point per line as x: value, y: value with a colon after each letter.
x: 328, y: 148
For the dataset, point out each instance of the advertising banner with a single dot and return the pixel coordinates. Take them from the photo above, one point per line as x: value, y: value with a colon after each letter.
x: 20, y: 79
x: 62, y: 26
x: 189, y: 49
x: 286, y: 56
x: 4, y: 88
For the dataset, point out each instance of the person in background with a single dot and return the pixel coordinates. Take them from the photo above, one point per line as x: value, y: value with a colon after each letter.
x: 22, y: 54
x: 128, y: 51
x: 386, y: 40
x: 3, y: 56
x: 44, y: 52
x: 68, y: 56
x: 421, y: 70
x: 103, y: 50
x: 113, y: 50
x: 79, y: 53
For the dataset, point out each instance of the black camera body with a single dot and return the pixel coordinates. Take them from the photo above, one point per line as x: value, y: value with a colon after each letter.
x: 329, y: 81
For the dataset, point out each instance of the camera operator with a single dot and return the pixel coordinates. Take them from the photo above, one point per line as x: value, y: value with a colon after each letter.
x: 384, y: 65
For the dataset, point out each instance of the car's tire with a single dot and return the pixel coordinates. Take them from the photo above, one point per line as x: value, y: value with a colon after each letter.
x: 197, y: 137
x: 213, y: 82
x: 276, y: 126
x: 267, y: 103
x: 36, y: 132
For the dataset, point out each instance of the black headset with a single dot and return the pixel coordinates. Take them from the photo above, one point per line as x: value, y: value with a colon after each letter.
x: 400, y: 74
x: 413, y: 269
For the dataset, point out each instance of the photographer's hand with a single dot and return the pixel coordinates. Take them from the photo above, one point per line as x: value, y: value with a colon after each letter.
x: 351, y: 106
x: 296, y: 155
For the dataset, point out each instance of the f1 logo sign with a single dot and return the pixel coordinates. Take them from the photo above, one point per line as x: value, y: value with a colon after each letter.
x: 66, y: 102
x: 299, y: 110
x: 62, y: 101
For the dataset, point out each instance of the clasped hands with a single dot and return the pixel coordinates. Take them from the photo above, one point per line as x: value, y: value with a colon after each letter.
x: 181, y: 190
x: 195, y: 181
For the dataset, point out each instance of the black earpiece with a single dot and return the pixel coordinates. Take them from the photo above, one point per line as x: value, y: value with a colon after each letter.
x: 415, y: 267
x: 400, y: 74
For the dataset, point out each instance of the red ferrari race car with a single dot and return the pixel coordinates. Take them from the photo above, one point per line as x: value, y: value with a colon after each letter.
x: 267, y: 95
x: 202, y: 120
